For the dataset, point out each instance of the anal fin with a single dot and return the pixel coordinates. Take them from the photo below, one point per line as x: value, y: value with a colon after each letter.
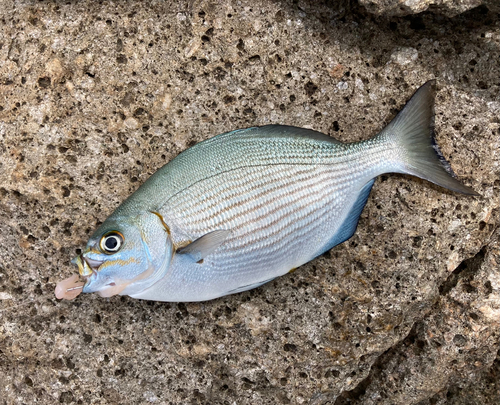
x: 351, y: 222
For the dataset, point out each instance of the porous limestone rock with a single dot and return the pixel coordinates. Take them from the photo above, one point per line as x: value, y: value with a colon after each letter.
x: 450, y: 8
x: 95, y: 96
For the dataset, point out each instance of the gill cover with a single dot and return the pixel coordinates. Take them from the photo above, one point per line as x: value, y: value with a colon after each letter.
x: 141, y: 257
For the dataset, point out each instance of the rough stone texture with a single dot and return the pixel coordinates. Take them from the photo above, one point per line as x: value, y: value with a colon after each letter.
x: 95, y: 97
x: 450, y: 8
x: 455, y: 341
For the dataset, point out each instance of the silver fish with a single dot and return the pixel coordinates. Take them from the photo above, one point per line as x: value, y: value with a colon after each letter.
x: 240, y: 209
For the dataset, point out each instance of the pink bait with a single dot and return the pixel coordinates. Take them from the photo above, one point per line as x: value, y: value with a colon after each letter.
x: 69, y: 288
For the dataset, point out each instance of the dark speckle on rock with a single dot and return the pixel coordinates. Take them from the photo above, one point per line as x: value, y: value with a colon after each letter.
x: 310, y: 88
x: 95, y: 96
x: 44, y: 82
x: 66, y: 397
x: 122, y: 59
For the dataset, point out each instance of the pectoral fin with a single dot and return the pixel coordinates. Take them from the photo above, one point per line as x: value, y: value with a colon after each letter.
x: 202, y: 247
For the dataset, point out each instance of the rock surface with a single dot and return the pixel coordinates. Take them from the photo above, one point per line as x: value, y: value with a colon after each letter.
x: 450, y: 8
x: 95, y: 97
x: 455, y: 342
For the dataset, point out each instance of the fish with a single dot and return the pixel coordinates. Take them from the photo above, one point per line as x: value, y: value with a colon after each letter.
x: 238, y: 210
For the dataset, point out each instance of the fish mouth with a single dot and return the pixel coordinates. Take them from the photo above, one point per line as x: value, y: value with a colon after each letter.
x: 86, y: 267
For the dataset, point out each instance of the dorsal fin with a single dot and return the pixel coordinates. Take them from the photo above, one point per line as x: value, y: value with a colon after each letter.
x: 288, y: 131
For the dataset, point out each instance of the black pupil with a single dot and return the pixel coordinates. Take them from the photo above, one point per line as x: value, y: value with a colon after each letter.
x: 111, y: 242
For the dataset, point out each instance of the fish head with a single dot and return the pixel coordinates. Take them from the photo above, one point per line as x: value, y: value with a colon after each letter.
x: 126, y: 255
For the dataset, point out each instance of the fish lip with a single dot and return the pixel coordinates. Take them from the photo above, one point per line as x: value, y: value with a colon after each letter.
x: 89, y: 271
x: 93, y: 264
x: 89, y: 283
x: 86, y: 267
x: 93, y: 284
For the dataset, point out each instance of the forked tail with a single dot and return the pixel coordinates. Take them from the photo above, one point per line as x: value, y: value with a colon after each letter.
x: 413, y: 132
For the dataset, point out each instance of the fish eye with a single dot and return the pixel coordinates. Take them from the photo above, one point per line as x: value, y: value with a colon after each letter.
x: 111, y: 242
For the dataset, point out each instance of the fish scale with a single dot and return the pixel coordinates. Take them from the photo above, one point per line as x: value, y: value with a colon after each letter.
x: 269, y: 231
x: 247, y: 206
x: 251, y: 216
x: 240, y: 201
x: 252, y: 148
x: 302, y: 220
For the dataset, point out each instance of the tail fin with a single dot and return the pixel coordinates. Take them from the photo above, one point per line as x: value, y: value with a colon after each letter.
x: 413, y: 132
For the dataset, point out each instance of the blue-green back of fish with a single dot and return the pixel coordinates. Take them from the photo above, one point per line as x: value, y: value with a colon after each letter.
x: 247, y: 206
